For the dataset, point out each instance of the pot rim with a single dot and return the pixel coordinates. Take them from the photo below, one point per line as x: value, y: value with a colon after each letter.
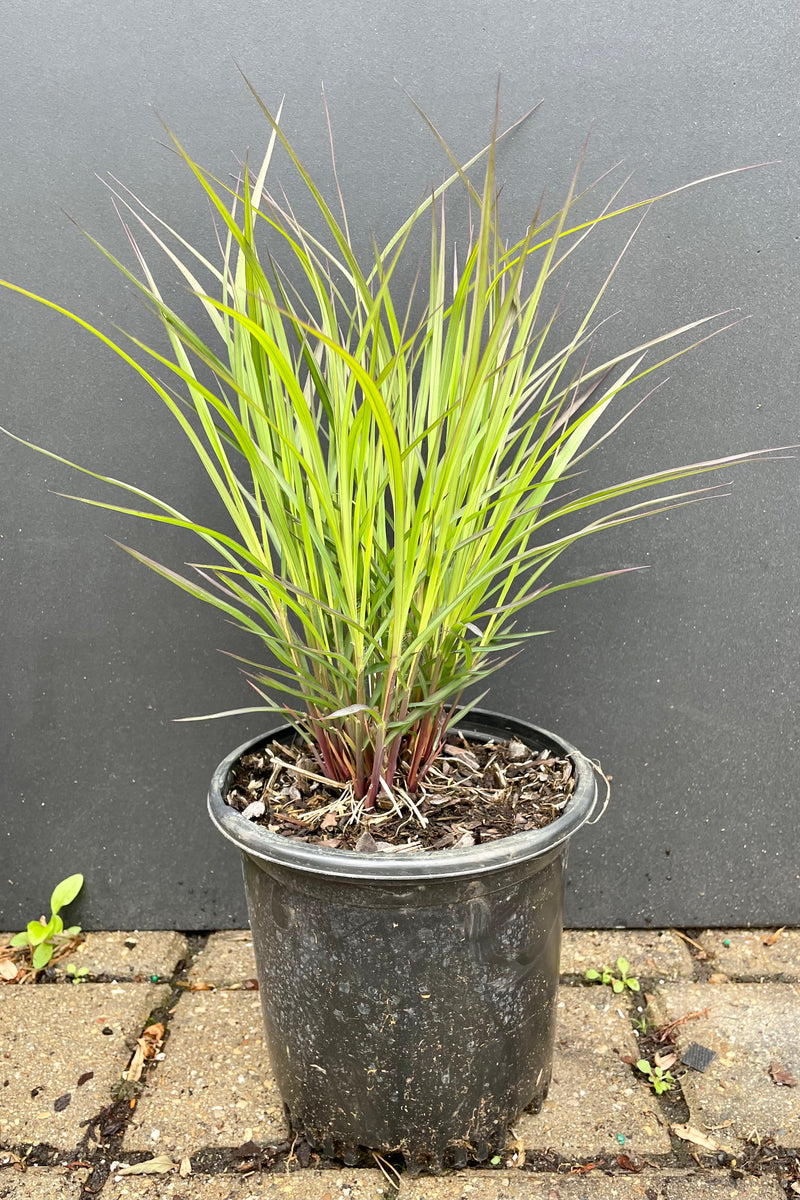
x: 412, y: 865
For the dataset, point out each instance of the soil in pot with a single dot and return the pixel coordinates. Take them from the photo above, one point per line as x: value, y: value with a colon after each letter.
x: 475, y: 792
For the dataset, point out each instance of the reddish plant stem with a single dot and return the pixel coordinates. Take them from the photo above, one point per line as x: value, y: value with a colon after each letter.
x: 375, y: 778
x: 417, y: 754
x: 380, y: 739
x: 434, y: 746
x: 342, y: 763
x: 328, y: 750
x: 322, y: 748
x: 358, y: 760
x: 391, y: 762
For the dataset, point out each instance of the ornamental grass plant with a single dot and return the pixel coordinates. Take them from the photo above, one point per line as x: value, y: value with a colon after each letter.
x: 400, y: 472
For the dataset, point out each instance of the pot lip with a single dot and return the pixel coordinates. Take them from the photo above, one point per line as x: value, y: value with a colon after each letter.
x: 421, y: 865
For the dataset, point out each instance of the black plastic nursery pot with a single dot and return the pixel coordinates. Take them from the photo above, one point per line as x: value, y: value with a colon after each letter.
x: 409, y: 999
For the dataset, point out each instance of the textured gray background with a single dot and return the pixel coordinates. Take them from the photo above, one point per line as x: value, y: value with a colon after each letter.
x: 683, y: 679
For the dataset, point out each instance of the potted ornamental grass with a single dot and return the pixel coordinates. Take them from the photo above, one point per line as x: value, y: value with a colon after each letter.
x: 401, y: 469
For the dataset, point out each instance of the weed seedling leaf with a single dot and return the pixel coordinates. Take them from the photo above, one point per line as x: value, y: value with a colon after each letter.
x: 42, y: 955
x: 65, y: 892
x: 37, y: 932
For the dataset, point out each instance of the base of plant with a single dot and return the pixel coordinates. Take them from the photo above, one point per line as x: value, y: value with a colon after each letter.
x: 477, y: 790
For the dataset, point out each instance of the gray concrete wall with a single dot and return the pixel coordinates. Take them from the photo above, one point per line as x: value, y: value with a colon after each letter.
x: 683, y: 679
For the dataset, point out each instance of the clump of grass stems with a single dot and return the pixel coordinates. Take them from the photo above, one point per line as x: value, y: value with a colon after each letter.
x: 396, y: 483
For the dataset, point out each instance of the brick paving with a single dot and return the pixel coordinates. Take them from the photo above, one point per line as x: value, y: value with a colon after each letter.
x: 226, y: 959
x: 362, y: 1184
x: 749, y: 1027
x: 594, y: 1096
x: 653, y: 954
x: 594, y: 1185
x: 51, y: 1038
x: 213, y: 1088
x: 129, y: 956
x: 210, y: 1100
x: 754, y: 953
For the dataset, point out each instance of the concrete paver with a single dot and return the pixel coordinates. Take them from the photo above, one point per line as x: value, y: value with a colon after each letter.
x: 361, y: 1184
x: 59, y: 1184
x: 214, y: 1087
x: 749, y: 1026
x: 40, y: 1183
x: 652, y: 953
x: 226, y: 958
x: 594, y: 1096
x: 129, y: 955
x: 746, y: 955
x: 593, y: 1185
x: 52, y: 1035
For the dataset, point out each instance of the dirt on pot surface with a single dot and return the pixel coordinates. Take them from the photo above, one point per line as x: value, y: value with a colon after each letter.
x: 474, y: 793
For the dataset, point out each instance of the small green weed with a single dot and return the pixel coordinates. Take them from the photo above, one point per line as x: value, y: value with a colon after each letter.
x: 42, y: 938
x: 77, y: 974
x: 660, y: 1078
x: 618, y: 983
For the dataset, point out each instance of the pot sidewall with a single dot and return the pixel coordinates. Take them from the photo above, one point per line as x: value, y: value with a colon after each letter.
x: 412, y: 1014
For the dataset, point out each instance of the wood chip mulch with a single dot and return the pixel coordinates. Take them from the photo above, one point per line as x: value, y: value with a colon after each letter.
x: 474, y: 793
